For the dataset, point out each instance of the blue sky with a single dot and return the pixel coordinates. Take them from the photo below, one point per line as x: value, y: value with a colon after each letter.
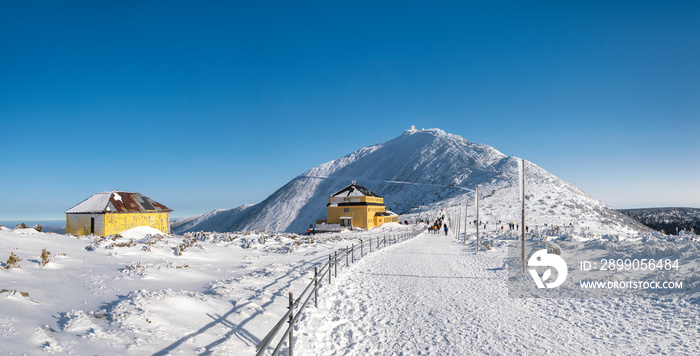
x: 205, y: 105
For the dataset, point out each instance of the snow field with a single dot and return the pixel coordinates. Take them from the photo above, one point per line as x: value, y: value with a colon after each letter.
x: 203, y: 293
x: 433, y: 296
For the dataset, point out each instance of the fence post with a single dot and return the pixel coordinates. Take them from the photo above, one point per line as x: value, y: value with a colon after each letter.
x: 335, y: 264
x: 362, y: 250
x: 291, y: 324
x: 346, y: 256
x: 316, y: 286
x: 353, y: 253
x: 330, y: 263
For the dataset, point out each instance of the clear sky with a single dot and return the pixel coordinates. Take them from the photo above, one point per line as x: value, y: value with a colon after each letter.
x: 211, y: 104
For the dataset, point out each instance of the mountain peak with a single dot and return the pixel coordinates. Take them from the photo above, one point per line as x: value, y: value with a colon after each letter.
x: 423, y: 171
x: 434, y: 132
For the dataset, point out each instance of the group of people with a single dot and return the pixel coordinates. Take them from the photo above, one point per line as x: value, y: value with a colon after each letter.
x: 437, y: 225
x: 515, y: 227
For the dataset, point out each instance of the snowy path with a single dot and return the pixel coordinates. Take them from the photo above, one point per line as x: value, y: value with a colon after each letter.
x: 431, y: 295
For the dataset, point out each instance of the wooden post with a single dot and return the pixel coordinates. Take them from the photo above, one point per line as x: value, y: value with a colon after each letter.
x: 330, y: 264
x: 346, y: 256
x: 316, y: 286
x: 522, y: 227
x: 353, y: 253
x: 370, y: 244
x: 291, y: 324
x: 335, y: 263
x: 362, y: 249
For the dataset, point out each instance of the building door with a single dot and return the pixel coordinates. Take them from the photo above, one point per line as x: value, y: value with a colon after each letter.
x: 92, y: 225
x: 345, y: 221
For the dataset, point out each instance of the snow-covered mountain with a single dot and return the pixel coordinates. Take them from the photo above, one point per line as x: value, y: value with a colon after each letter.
x: 420, y: 172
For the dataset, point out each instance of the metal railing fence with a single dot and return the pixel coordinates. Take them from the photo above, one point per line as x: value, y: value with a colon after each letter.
x: 329, y: 268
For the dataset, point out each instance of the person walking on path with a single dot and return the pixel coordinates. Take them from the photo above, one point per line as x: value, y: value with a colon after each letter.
x: 445, y: 229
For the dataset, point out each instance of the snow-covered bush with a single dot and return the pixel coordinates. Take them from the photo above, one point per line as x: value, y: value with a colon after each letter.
x: 187, y: 242
x: 13, y: 261
x: 45, y: 257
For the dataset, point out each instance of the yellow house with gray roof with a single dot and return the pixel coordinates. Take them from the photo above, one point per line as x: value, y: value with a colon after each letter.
x: 358, y: 206
x: 110, y: 213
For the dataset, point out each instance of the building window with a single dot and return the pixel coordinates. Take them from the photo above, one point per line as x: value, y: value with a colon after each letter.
x: 347, y: 210
x: 346, y: 199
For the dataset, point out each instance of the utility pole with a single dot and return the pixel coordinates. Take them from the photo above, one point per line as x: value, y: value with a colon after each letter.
x: 459, y: 221
x: 455, y: 221
x: 465, y: 223
x: 522, y: 227
x: 477, y: 219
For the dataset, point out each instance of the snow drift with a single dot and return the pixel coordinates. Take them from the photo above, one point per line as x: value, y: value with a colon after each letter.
x: 420, y: 171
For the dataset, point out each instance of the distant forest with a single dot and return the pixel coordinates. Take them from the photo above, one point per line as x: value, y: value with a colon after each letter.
x: 667, y: 220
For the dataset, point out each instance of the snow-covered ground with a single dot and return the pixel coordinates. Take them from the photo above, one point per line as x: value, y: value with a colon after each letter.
x: 220, y: 294
x: 145, y: 293
x: 434, y: 296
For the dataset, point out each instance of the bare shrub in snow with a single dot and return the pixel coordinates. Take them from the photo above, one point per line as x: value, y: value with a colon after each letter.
x: 45, y: 257
x: 13, y: 261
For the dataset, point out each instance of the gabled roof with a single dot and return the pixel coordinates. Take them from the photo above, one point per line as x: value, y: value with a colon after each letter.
x: 354, y: 190
x: 118, y: 202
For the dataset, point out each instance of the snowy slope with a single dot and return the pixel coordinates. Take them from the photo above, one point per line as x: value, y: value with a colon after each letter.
x: 420, y: 171
x: 668, y: 220
x: 220, y: 218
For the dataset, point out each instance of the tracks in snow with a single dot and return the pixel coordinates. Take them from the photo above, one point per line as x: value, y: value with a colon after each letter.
x: 431, y: 295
